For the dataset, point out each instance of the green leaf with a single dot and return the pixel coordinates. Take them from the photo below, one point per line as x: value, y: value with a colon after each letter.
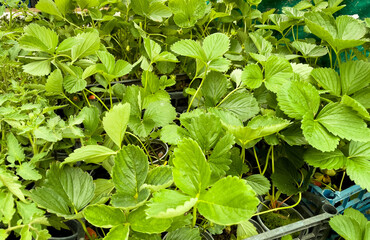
x: 155, y: 10
x: 11, y: 182
x: 191, y: 171
x: 356, y: 106
x: 25, y: 233
x: 161, y: 112
x: 214, y: 88
x: 104, y: 216
x: 159, y: 178
x: 359, y: 149
x: 236, y: 204
x: 216, y: 45
x: 103, y: 188
x: 7, y: 210
x: 219, y: 160
x: 309, y: 49
x: 277, y: 74
x: 322, y: 25
x: 74, y: 82
x: 263, y: 46
x: 129, y: 173
x: 172, y: 134
x: 184, y: 233
x: 90, y: 154
x: 87, y: 43
x: 140, y: 222
x: 355, y: 75
x: 169, y: 203
x: 91, y: 119
x: 27, y: 171
x: 152, y: 48
x: 29, y: 212
x: 115, y: 122
x: 48, y: 6
x: 346, y: 227
x: 242, y: 103
x: 260, y: 184
x: 298, y: 98
x: 317, y: 135
x: 362, y: 97
x: 258, y: 127
x: 127, y: 201
x: 37, y: 68
x: 119, y: 232
x: 38, y: 38
x: 328, y: 160
x: 3, y: 234
x: 15, y: 151
x: 358, y: 216
x: 189, y: 48
x: 205, y: 129
x: 85, y: 4
x: 187, y: 12
x: 329, y: 79
x: 252, y: 76
x: 65, y: 191
x: 358, y: 170
x: 54, y: 83
x: 246, y: 229
x: 219, y: 64
x: 342, y: 121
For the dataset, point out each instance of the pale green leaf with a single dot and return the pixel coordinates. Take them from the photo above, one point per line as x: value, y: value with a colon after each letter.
x: 329, y: 79
x: 358, y: 169
x: 328, y: 160
x: 104, y: 216
x: 191, y: 172
x: 140, y: 222
x: 103, y: 189
x: 216, y: 45
x: 38, y: 68
x: 7, y: 209
x: 241, y: 103
x: 184, y: 233
x: 29, y: 212
x: 219, y: 64
x: 25, y: 233
x: 277, y: 73
x: 342, y: 121
x: 152, y: 48
x: 355, y: 75
x: 159, y: 178
x: 27, y: 171
x: 161, y: 112
x: 252, y: 76
x: 263, y: 46
x: 346, y: 227
x: 322, y: 25
x: 302, y: 72
x: 214, y: 88
x: 15, y: 151
x: 363, y: 97
x: 356, y: 106
x: 246, y: 229
x: 48, y: 6
x: 309, y: 49
x: 317, y: 135
x: 260, y: 184
x: 38, y: 38
x: 115, y: 122
x: 119, y: 232
x: 54, y: 83
x: 358, y: 216
x: 236, y: 204
x: 189, y: 48
x: 85, y: 4
x: 11, y: 182
x: 87, y: 43
x: 298, y: 98
x: 359, y: 149
x: 172, y: 134
x: 169, y: 203
x: 90, y: 154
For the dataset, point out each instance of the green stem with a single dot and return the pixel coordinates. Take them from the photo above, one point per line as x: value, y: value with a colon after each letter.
x: 69, y: 100
x: 105, y: 106
x: 228, y: 95
x: 341, y: 182
x: 267, y: 161
x: 281, y: 208
x: 256, y: 157
x: 142, y: 144
x: 86, y: 99
x: 84, y: 227
x: 194, y: 215
x: 200, y: 86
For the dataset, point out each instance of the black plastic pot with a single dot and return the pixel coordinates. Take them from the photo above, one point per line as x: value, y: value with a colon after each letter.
x: 260, y: 207
x: 258, y: 227
x: 76, y: 230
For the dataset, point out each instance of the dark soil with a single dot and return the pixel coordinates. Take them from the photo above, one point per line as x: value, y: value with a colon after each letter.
x: 227, y: 234
x: 60, y: 233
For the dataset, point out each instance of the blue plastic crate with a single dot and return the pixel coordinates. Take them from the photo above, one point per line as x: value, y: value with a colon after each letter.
x: 353, y: 197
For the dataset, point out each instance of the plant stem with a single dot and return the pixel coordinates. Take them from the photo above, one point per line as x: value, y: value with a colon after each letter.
x: 200, y: 86
x: 267, y: 161
x: 69, y: 100
x: 194, y: 215
x: 105, y: 106
x: 142, y: 144
x: 256, y: 157
x: 281, y: 208
x: 84, y: 227
x: 341, y: 182
x: 228, y: 95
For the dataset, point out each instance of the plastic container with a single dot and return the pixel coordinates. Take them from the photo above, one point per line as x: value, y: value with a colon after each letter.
x: 353, y: 197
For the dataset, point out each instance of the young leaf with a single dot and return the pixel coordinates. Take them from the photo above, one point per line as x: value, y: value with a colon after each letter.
x: 159, y: 178
x: 317, y: 136
x: 229, y: 201
x: 28, y: 172
x: 298, y: 98
x: 115, y: 122
x: 11, y: 182
x: 37, y: 68
x: 15, y: 151
x: 342, y: 121
x: 189, y: 48
x: 49, y: 6
x: 152, y: 48
x: 104, y: 216
x: 169, y: 203
x: 140, y: 222
x: 87, y: 43
x: 65, y: 190
x: 90, y: 154
x: 187, y: 12
x: 7, y: 210
x: 191, y: 171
